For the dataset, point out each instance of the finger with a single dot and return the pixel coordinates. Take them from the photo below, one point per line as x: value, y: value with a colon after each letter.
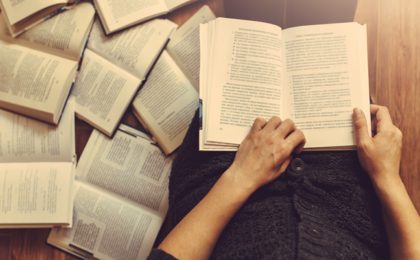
x: 286, y: 127
x: 300, y: 147
x: 259, y: 124
x: 295, y: 139
x: 360, y: 126
x: 382, y: 116
x: 284, y: 165
x: 273, y: 123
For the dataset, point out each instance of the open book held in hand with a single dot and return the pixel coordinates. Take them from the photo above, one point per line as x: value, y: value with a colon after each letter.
x: 314, y: 75
x: 24, y: 14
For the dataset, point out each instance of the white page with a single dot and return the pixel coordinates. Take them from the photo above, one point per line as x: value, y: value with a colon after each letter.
x: 184, y: 46
x: 119, y: 14
x: 327, y: 71
x: 174, y: 4
x: 129, y: 166
x: 19, y: 10
x: 103, y: 92
x: 134, y: 49
x: 27, y: 140
x: 35, y: 193
x: 246, y: 81
x: 166, y: 103
x: 106, y: 227
x: 34, y: 83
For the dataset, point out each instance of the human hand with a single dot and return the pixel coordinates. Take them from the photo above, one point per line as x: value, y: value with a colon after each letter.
x: 380, y: 155
x: 266, y: 152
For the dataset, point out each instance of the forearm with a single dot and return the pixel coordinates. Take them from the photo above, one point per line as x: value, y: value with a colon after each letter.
x: 401, y: 219
x: 196, y: 235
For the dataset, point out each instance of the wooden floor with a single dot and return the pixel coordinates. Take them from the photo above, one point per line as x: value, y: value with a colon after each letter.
x: 394, y: 64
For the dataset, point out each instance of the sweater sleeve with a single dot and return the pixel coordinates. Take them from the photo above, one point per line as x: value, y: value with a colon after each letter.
x: 158, y: 254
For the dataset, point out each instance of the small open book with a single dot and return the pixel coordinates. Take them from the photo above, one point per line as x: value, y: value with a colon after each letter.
x: 121, y: 198
x: 20, y: 15
x: 37, y: 69
x: 120, y: 14
x: 314, y: 75
x: 36, y: 171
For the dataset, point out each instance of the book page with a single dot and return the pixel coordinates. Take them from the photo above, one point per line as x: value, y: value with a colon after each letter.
x: 134, y: 49
x: 327, y: 77
x: 184, y: 46
x: 35, y: 193
x: 118, y: 14
x: 166, y: 103
x: 244, y: 79
x: 66, y: 32
x: 27, y: 140
x: 103, y: 92
x: 106, y: 227
x: 128, y: 165
x: 34, y: 83
x: 17, y: 10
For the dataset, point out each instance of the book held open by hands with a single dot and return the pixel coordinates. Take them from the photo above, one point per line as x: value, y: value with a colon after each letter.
x: 314, y: 75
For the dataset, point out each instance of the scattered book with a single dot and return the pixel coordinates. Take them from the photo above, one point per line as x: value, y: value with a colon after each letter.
x: 116, y: 15
x: 168, y: 99
x: 36, y: 171
x: 121, y: 197
x: 37, y: 69
x: 113, y: 68
x: 314, y: 75
x: 20, y: 15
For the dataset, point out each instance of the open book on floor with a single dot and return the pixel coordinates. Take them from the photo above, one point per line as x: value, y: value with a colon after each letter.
x: 36, y: 171
x: 121, y: 197
x: 314, y: 75
x: 19, y: 16
x: 116, y: 15
x: 168, y: 100
x: 37, y: 69
x: 113, y: 68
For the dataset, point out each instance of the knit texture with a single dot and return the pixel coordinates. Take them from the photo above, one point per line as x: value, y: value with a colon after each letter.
x: 322, y: 207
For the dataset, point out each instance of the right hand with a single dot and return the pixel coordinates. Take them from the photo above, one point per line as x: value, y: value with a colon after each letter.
x: 379, y: 155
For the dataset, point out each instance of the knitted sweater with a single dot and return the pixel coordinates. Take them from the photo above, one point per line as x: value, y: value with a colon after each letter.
x: 322, y: 207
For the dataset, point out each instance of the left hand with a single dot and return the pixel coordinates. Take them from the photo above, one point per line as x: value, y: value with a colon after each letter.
x: 266, y: 152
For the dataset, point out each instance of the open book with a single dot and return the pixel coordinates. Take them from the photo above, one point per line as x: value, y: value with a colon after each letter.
x: 37, y: 68
x: 20, y: 15
x: 314, y: 75
x: 36, y: 171
x: 112, y: 71
x: 120, y: 197
x: 120, y: 14
x: 167, y: 101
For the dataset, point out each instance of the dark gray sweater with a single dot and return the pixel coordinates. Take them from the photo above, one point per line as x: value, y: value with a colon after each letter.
x: 322, y: 207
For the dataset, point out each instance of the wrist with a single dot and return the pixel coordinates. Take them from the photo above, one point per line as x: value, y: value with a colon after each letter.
x: 388, y: 183
x: 238, y: 187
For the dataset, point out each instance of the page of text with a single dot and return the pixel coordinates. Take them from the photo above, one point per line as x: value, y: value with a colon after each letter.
x: 35, y: 193
x: 107, y: 227
x: 129, y: 166
x: 184, y: 46
x: 167, y: 103
x: 327, y: 77
x: 245, y: 77
x: 103, y: 92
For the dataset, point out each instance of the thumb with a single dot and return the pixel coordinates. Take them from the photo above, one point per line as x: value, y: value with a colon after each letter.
x: 360, y: 126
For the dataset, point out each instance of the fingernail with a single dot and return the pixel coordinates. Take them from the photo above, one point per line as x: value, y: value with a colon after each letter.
x: 357, y: 111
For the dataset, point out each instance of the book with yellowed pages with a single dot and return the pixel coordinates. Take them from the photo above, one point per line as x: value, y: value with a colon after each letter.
x: 21, y: 15
x: 37, y: 165
x: 167, y: 101
x: 113, y: 69
x: 121, y: 197
x: 37, y: 69
x: 116, y: 15
x: 314, y: 75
